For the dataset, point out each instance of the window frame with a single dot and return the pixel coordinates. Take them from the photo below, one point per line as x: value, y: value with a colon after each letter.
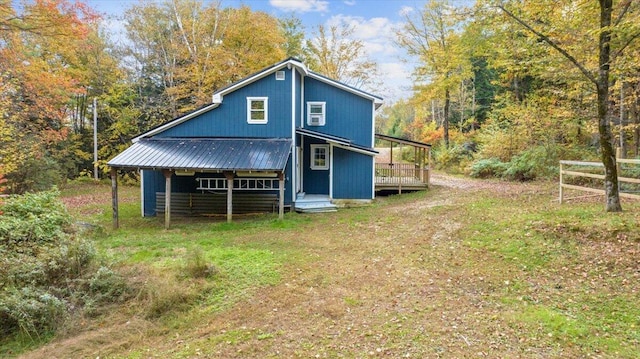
x: 250, y: 110
x: 312, y: 157
x: 323, y: 106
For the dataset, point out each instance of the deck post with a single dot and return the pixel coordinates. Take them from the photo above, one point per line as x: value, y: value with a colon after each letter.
x: 429, y: 168
x: 229, y: 176
x: 281, y: 192
x: 167, y: 198
x: 114, y: 197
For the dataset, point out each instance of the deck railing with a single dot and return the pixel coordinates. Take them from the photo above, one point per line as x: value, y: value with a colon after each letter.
x: 401, y: 174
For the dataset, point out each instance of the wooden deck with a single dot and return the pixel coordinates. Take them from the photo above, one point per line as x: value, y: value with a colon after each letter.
x: 401, y: 176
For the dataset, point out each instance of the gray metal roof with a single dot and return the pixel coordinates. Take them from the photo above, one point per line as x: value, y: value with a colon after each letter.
x: 219, y: 154
x: 340, y: 141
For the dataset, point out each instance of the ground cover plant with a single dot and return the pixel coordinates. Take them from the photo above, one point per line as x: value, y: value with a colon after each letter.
x: 468, y: 269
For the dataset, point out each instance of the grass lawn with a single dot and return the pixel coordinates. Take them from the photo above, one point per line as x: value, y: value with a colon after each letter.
x: 475, y: 271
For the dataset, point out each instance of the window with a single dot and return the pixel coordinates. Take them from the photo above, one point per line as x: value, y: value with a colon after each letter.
x: 257, y: 110
x: 316, y: 113
x: 280, y: 75
x: 319, y: 157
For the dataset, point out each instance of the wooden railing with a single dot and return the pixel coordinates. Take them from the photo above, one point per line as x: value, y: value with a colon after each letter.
x: 577, y: 169
x: 401, y: 174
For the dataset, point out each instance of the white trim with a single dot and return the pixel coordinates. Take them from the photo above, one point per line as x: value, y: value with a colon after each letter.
x: 251, y: 121
x: 376, y: 100
x: 312, y: 157
x: 294, y: 152
x: 266, y: 72
x: 176, y: 122
x: 302, y: 101
x: 373, y: 177
x: 373, y: 144
x: 142, y: 192
x: 322, y: 116
x: 353, y: 149
x: 330, y: 171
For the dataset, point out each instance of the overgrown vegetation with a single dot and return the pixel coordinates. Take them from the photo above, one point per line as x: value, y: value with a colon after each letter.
x: 48, y: 271
x: 497, y: 268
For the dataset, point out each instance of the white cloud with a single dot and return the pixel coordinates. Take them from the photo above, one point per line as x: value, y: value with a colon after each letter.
x: 396, y: 81
x: 405, y: 10
x: 350, y: 2
x: 376, y: 33
x: 301, y: 6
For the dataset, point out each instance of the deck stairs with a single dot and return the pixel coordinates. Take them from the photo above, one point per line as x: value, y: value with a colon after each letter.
x: 314, y: 203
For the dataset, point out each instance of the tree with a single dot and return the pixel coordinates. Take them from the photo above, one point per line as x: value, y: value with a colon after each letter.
x: 183, y: 50
x: 431, y: 36
x: 335, y: 53
x: 293, y: 31
x: 41, y: 74
x: 609, y: 32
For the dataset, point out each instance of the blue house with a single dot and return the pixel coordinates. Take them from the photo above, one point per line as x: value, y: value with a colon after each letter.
x: 284, y: 136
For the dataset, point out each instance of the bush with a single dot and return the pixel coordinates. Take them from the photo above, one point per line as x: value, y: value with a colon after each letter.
x: 45, y: 269
x: 197, y: 266
x: 486, y: 168
x: 452, y: 158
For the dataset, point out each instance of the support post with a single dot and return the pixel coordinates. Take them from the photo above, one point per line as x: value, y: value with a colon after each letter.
x: 281, y: 192
x: 229, y: 176
x: 114, y: 197
x: 561, y: 196
x: 167, y: 198
x: 95, y: 139
x: 429, y: 168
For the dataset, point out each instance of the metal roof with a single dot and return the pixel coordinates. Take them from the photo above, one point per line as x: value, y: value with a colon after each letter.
x: 402, y: 141
x: 206, y: 154
x: 338, y: 141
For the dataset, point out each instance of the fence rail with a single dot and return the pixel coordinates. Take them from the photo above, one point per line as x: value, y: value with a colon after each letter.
x: 401, y: 176
x: 577, y: 173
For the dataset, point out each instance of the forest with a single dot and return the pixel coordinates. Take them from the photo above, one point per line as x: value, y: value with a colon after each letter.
x: 502, y: 88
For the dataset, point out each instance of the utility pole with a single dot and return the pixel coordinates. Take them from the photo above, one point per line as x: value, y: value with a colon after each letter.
x: 95, y: 138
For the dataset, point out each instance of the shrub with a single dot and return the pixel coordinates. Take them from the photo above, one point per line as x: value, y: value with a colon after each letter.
x: 197, y: 266
x: 452, y: 158
x: 486, y: 168
x: 32, y: 311
x: 45, y: 269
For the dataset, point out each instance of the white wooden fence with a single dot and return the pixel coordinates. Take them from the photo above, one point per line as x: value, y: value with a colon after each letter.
x: 573, y: 171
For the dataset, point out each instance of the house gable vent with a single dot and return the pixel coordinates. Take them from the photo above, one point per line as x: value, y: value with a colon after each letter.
x: 280, y: 75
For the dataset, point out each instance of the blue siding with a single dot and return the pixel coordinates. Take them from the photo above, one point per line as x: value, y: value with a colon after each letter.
x: 153, y: 182
x: 230, y: 118
x: 352, y: 175
x: 299, y: 105
x: 347, y: 115
x: 315, y: 181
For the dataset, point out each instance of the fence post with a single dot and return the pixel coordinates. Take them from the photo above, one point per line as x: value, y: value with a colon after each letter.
x: 561, y: 193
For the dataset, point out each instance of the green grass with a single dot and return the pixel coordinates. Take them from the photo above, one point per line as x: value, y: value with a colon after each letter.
x: 521, y: 273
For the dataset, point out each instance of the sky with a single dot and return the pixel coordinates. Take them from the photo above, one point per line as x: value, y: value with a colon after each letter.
x: 374, y: 22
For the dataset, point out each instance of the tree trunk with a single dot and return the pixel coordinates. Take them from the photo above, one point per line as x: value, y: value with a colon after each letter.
x: 445, y: 120
x: 604, y: 128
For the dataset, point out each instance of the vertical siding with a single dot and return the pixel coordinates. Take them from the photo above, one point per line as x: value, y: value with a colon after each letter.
x: 315, y: 181
x: 153, y: 182
x: 352, y: 175
x: 347, y: 115
x: 230, y: 118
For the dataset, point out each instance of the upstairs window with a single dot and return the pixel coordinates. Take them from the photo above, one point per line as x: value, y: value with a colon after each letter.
x: 319, y: 157
x: 257, y: 110
x: 316, y: 113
